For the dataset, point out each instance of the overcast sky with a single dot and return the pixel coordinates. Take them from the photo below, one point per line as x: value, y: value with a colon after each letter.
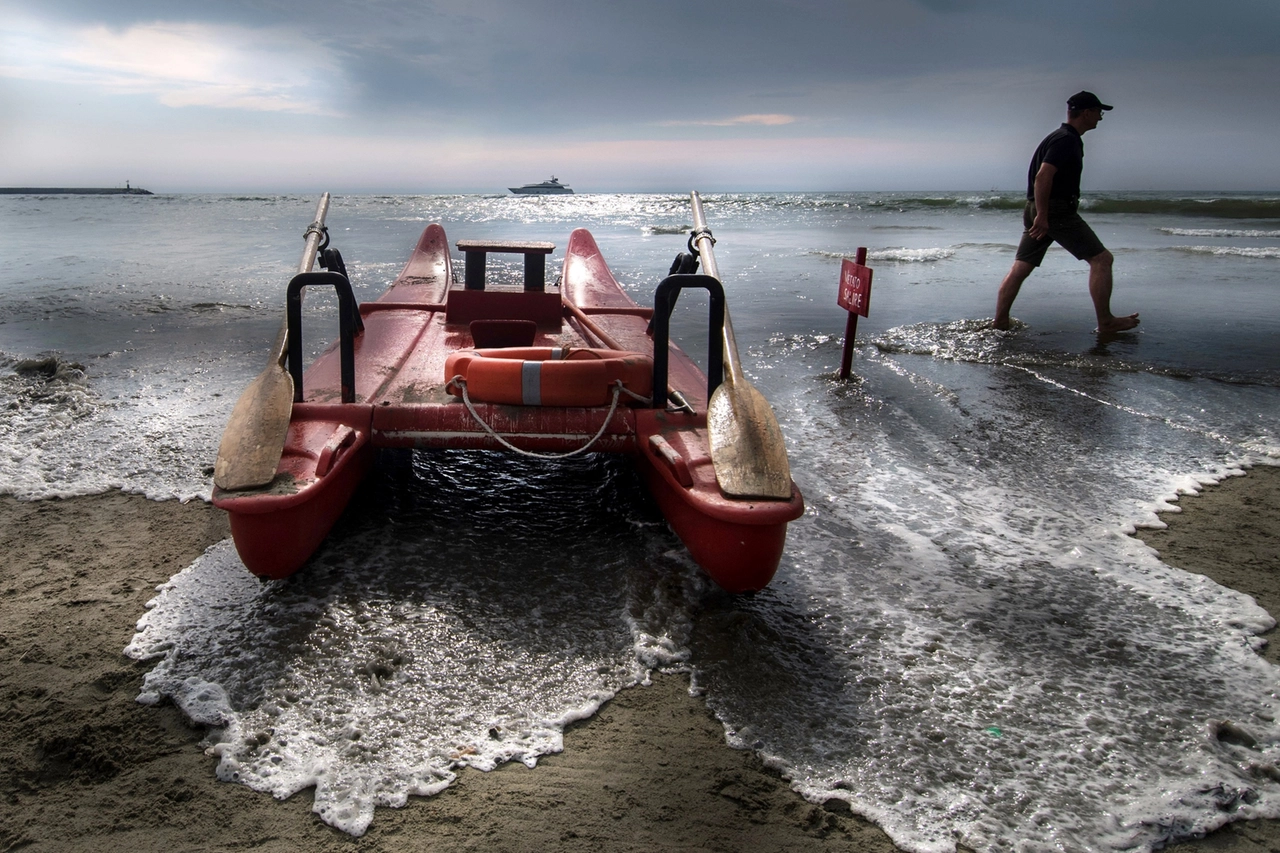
x: 647, y: 95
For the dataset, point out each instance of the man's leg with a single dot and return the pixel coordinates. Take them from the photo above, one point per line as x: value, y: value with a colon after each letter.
x: 1009, y: 291
x: 1100, y: 291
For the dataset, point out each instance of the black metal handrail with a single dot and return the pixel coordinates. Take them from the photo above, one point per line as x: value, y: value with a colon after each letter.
x: 664, y: 301
x: 349, y: 325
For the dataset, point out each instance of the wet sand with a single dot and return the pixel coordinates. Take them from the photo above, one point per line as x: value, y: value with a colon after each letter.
x: 84, y: 767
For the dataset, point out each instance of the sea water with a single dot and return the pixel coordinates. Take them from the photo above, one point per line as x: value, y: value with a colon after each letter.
x: 962, y: 642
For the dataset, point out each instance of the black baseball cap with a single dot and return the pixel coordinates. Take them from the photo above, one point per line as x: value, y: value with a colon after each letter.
x: 1086, y: 101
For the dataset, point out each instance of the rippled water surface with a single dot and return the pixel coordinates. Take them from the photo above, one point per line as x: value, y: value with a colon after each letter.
x: 961, y: 642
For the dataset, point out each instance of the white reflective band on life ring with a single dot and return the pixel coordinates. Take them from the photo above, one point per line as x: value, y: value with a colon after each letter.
x: 531, y: 382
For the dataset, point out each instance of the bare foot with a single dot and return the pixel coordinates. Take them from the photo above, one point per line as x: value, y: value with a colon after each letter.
x: 1118, y: 324
x: 1001, y: 323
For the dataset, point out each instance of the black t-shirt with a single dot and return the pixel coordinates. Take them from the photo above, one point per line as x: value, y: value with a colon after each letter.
x: 1064, y: 150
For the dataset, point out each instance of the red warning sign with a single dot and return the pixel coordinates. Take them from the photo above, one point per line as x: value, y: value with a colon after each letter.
x: 855, y: 287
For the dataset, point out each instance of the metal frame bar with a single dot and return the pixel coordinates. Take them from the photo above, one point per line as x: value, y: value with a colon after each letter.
x: 664, y: 301
x: 348, y: 320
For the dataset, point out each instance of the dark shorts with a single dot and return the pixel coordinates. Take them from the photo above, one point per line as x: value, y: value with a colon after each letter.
x: 1066, y: 228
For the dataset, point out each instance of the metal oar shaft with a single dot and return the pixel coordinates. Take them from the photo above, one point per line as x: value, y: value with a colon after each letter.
x: 703, y: 241
x: 747, y: 449
x: 314, y: 234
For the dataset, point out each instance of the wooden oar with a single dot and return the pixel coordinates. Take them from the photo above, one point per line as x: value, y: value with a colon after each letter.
x: 254, y: 437
x: 747, y: 449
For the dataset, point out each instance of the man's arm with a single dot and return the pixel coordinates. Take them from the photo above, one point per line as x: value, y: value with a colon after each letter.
x: 1043, y: 184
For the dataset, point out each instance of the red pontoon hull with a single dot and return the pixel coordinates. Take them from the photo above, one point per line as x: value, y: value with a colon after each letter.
x: 401, y: 401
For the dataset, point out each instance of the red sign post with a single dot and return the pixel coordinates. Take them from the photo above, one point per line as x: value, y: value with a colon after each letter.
x: 854, y: 297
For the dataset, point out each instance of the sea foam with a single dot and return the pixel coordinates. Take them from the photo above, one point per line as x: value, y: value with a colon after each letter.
x: 1260, y: 252
x: 1251, y: 233
x: 422, y: 643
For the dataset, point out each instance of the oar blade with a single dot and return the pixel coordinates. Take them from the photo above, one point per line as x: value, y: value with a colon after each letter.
x: 254, y: 437
x: 747, y: 448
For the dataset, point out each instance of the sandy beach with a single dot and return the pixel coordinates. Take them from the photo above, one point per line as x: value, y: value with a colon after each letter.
x: 84, y: 767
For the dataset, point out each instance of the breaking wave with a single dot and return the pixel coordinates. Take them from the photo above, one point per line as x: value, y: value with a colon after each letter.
x: 1217, y: 206
x: 992, y: 201
x: 1231, y: 251
x: 1220, y: 232
x: 898, y: 254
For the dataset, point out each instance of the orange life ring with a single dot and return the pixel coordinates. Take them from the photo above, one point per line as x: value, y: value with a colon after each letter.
x: 548, y: 376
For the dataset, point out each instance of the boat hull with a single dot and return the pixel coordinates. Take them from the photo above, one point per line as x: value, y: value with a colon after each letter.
x: 403, y: 399
x: 738, y: 543
x: 274, y: 542
x: 276, y: 529
x: 550, y: 187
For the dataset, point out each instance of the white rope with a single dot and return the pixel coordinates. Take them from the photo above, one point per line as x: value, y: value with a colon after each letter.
x: 618, y: 390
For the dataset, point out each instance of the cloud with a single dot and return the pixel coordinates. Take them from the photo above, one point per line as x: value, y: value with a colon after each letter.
x: 767, y: 119
x: 179, y: 64
x: 440, y: 95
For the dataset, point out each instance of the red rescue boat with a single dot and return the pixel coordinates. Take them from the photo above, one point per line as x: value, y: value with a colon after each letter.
x: 434, y: 363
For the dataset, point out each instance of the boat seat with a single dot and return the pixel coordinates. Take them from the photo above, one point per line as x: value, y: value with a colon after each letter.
x: 535, y: 260
x: 463, y: 307
x: 496, y: 334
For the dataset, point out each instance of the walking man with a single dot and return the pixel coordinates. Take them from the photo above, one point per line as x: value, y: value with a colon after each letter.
x: 1051, y: 215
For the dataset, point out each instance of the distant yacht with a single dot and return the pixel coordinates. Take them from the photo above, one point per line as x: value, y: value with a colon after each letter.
x: 551, y: 187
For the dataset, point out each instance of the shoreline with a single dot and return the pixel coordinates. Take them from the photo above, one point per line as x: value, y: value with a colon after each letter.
x: 83, y: 766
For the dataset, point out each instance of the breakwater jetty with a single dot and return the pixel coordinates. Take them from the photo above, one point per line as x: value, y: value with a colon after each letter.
x: 74, y: 191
